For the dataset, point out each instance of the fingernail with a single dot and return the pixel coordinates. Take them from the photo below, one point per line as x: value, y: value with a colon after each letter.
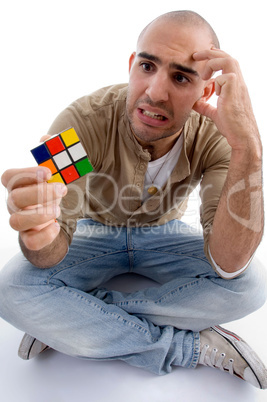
x: 61, y: 189
x: 43, y: 175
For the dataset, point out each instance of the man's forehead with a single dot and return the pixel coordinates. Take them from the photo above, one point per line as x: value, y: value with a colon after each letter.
x: 180, y: 37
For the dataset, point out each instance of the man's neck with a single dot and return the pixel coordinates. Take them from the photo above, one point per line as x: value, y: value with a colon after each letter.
x: 157, y: 153
x: 160, y: 147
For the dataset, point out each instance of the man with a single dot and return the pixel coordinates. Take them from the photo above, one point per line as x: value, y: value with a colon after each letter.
x: 150, y: 143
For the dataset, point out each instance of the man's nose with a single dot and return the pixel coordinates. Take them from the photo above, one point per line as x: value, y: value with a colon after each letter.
x: 158, y: 88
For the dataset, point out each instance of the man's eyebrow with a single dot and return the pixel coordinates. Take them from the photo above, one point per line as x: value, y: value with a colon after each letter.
x: 151, y: 57
x: 176, y: 66
x: 184, y: 69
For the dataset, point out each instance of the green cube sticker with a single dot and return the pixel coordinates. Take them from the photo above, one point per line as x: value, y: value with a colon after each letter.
x: 84, y: 167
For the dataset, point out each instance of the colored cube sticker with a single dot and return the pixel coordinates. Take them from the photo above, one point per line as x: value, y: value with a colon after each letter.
x: 64, y: 155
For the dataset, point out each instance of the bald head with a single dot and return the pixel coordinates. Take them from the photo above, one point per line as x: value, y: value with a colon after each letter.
x: 185, y: 18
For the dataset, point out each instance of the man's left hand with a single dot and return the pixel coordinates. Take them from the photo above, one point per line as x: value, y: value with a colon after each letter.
x: 234, y: 115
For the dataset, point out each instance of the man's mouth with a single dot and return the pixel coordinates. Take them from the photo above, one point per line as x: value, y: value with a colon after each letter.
x: 153, y: 115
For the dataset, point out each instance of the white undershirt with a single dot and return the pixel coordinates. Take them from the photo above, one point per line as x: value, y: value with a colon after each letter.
x: 157, y: 174
x: 159, y: 171
x: 228, y: 275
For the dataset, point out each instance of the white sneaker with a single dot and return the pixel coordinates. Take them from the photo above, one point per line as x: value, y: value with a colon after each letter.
x: 222, y: 349
x: 30, y: 347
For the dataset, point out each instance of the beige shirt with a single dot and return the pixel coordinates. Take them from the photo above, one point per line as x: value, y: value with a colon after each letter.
x: 112, y: 194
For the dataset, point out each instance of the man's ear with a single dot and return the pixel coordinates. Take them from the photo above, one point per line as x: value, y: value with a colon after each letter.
x: 131, y: 60
x: 208, y: 91
x: 202, y: 106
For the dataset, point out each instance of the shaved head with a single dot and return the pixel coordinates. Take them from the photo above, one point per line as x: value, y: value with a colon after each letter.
x: 185, y: 18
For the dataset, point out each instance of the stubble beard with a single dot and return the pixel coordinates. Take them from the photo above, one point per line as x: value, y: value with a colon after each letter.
x: 146, y: 133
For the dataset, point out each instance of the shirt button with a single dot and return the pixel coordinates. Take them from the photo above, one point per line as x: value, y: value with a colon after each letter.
x: 142, y: 166
x: 138, y: 185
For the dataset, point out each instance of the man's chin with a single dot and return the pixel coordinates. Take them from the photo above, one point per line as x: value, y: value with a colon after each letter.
x: 150, y: 134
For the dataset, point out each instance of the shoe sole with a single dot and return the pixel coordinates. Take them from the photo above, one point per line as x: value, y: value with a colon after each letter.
x: 27, y: 346
x: 254, y: 362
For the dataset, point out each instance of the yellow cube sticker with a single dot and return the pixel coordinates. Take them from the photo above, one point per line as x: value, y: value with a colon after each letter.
x: 70, y: 137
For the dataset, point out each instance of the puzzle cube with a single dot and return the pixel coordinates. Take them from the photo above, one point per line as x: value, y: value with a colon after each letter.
x: 64, y: 155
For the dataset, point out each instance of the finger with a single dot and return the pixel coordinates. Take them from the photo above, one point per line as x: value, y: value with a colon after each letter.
x: 38, y: 228
x: 217, y: 60
x: 36, y: 240
x: 45, y: 137
x: 227, y: 83
x: 209, y: 54
x: 30, y: 218
x: 226, y: 65
x: 14, y: 209
x: 205, y: 109
x: 14, y: 178
x: 40, y: 194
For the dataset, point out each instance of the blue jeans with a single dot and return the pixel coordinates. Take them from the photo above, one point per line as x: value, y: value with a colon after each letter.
x: 67, y: 308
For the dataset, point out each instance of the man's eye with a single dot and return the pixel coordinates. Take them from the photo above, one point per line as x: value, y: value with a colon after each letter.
x: 181, y: 78
x: 146, y: 67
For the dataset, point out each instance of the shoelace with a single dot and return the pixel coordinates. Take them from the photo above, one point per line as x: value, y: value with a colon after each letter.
x: 209, y: 359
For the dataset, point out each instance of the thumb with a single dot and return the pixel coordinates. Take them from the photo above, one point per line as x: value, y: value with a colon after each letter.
x: 45, y: 137
x: 205, y: 108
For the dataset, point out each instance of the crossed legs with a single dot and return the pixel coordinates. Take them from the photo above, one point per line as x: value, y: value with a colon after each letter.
x: 67, y: 308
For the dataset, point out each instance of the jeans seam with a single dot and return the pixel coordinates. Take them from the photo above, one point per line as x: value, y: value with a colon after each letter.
x: 56, y: 271
x: 196, y: 350
x: 173, y: 253
x: 102, y: 309
x: 178, y: 289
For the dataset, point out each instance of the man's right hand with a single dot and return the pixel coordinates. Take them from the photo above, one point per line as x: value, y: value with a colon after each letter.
x: 33, y: 205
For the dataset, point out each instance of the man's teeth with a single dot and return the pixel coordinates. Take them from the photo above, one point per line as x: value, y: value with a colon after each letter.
x: 153, y: 115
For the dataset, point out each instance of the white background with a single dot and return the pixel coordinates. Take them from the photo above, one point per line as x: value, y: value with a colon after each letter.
x: 53, y: 52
